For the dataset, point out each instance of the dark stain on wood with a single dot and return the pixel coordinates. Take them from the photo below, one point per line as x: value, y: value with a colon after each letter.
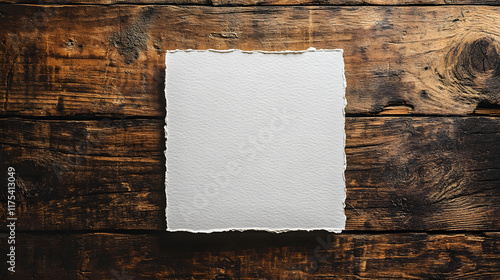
x: 386, y: 23
x: 60, y: 104
x: 38, y: 182
x: 8, y: 86
x: 32, y: 56
x: 133, y: 39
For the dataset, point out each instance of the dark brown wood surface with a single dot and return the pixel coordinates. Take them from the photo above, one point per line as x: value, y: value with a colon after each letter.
x: 418, y: 173
x: 257, y: 255
x: 59, y: 61
x: 82, y: 114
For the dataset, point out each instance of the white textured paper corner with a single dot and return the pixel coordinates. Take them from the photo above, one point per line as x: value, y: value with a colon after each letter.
x: 255, y: 140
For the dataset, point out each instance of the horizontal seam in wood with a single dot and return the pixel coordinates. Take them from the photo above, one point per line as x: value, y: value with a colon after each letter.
x: 244, y: 5
x: 345, y: 232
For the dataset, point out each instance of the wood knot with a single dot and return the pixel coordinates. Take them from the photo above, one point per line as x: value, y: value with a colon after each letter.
x: 483, y: 55
x: 474, y: 60
x: 472, y: 70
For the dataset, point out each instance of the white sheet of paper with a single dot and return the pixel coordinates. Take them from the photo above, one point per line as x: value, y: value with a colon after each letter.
x: 255, y: 140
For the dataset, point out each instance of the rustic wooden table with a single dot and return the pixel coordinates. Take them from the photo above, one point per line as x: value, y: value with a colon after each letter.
x: 82, y: 115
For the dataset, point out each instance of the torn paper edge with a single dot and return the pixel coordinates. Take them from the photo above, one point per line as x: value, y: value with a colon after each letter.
x: 311, y: 49
x: 334, y: 230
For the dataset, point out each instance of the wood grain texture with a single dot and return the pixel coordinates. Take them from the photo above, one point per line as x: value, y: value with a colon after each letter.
x: 423, y: 191
x: 59, y: 61
x: 254, y: 255
x: 419, y: 173
x: 260, y: 2
x: 86, y: 175
x: 444, y: 171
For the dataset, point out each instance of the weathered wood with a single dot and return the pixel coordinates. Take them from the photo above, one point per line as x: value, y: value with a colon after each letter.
x: 255, y: 255
x: 419, y: 173
x: 423, y: 173
x: 82, y: 175
x: 59, y: 61
x: 260, y: 2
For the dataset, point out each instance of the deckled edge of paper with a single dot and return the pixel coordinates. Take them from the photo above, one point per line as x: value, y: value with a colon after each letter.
x: 311, y: 49
x: 334, y: 230
x: 165, y: 130
x: 345, y: 156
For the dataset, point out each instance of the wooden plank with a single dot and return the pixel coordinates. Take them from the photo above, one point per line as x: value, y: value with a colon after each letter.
x: 420, y: 173
x: 58, y: 61
x: 83, y: 175
x: 256, y: 255
x: 260, y: 2
x: 423, y: 174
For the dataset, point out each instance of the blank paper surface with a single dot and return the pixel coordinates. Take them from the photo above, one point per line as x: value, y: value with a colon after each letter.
x: 255, y: 140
